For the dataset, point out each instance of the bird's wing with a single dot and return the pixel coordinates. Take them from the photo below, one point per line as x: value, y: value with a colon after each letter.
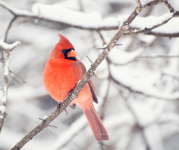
x: 92, y: 88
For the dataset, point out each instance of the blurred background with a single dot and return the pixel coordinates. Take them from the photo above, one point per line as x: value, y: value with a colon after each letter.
x: 138, y: 95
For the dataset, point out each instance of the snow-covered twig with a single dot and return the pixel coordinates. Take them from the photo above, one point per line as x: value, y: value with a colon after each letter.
x: 6, y: 50
x: 167, y: 18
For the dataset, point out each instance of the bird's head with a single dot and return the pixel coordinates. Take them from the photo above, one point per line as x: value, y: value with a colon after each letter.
x: 64, y: 49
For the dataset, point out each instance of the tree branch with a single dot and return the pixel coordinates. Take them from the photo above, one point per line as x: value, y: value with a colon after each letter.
x: 9, y: 26
x: 6, y: 49
x: 138, y: 3
x: 169, y: 6
x: 148, y: 30
x: 157, y: 56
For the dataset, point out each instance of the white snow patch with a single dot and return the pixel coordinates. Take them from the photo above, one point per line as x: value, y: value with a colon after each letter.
x: 2, y: 109
x: 60, y: 13
x: 6, y: 46
x: 150, y: 21
x: 45, y: 117
x: 118, y: 56
x: 4, y: 97
x: 143, y: 82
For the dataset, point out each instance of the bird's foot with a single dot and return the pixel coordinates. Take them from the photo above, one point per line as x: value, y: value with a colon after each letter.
x: 58, y: 107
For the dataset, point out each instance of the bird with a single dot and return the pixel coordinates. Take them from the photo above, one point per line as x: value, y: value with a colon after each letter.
x: 61, y: 75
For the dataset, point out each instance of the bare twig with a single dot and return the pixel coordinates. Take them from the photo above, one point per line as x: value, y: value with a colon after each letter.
x: 17, y: 76
x: 170, y: 35
x: 48, y: 125
x: 89, y: 59
x: 169, y: 6
x: 91, y: 63
x: 9, y: 26
x: 157, y: 56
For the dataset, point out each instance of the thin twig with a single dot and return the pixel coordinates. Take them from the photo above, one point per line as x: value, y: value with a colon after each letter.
x: 91, y: 63
x: 169, y: 6
x: 148, y: 30
x: 9, y: 26
x: 48, y: 125
x: 17, y: 76
x: 157, y: 56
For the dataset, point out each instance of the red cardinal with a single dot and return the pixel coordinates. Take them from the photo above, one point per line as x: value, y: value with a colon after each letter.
x: 61, y: 75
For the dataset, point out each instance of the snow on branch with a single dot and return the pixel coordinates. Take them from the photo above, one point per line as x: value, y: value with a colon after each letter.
x: 57, y: 13
x: 7, y: 48
x: 60, y: 14
x: 124, y: 27
x: 132, y: 82
x: 156, y: 24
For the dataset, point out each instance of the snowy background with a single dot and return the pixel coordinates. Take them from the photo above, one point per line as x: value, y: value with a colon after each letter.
x: 138, y: 96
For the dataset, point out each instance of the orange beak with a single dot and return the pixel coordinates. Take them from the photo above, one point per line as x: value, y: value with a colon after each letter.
x: 72, y: 53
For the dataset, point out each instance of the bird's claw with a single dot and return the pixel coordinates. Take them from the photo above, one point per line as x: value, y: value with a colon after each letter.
x: 58, y: 107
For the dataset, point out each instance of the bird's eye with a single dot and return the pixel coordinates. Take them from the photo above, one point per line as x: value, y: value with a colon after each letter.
x: 63, y: 51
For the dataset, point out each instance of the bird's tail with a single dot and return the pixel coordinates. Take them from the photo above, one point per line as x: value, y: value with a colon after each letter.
x: 96, y: 124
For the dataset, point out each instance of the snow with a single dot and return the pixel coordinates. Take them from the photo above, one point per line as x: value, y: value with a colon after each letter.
x: 4, y: 99
x: 17, y: 11
x: 118, y: 56
x: 74, y: 129
x: 136, y: 82
x: 60, y: 13
x: 2, y: 109
x: 45, y: 117
x: 170, y: 27
x: 150, y: 108
x: 150, y: 21
x: 153, y: 137
x: 6, y: 67
x: 6, y: 46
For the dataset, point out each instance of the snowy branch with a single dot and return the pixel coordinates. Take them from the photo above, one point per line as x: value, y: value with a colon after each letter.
x: 87, y: 21
x: 6, y: 50
x: 161, y: 21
